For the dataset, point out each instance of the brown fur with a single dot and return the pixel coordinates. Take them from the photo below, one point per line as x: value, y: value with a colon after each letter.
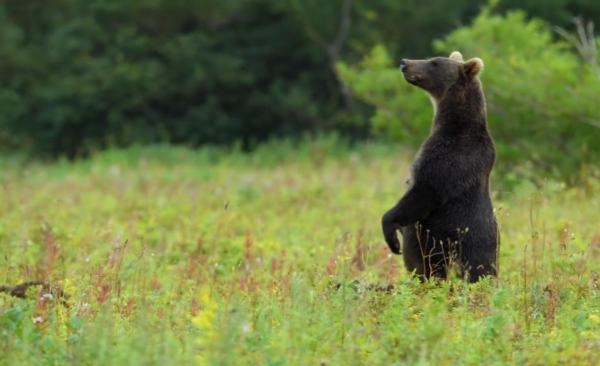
x: 446, y: 216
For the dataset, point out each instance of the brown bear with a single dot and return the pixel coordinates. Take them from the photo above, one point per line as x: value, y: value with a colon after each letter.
x: 446, y: 216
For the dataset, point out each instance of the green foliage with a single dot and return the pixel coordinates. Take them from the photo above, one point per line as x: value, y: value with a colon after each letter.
x: 542, y: 99
x: 84, y: 75
x: 401, y: 112
x: 557, y: 12
x: 535, y: 86
x: 208, y: 257
x: 407, y: 27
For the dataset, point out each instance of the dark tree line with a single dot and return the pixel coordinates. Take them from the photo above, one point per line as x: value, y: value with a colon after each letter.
x: 79, y: 75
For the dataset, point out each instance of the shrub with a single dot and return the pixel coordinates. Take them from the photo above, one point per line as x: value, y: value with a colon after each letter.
x: 542, y: 98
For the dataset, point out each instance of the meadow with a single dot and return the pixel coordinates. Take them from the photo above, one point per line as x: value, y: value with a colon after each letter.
x: 170, y: 256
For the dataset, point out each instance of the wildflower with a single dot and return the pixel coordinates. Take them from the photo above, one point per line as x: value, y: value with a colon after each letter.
x: 204, y: 321
x: 47, y: 296
x: 205, y: 318
x: 38, y: 320
x: 588, y: 334
x: 69, y: 285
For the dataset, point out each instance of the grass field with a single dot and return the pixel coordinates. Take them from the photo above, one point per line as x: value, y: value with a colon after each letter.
x: 174, y: 257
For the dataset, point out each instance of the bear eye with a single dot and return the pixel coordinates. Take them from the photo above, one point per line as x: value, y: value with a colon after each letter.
x: 434, y: 63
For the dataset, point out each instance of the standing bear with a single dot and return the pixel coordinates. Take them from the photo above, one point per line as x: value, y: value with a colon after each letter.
x: 446, y: 216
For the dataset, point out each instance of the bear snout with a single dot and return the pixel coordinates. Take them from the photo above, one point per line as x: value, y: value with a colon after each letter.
x: 403, y: 64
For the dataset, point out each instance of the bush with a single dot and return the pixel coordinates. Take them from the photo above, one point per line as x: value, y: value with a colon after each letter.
x: 83, y: 75
x: 542, y: 98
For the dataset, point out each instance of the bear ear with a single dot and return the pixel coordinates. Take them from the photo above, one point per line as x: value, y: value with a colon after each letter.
x: 456, y: 56
x: 472, y: 67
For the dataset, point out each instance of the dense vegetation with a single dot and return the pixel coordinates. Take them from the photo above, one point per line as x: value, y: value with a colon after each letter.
x: 542, y: 97
x: 81, y: 75
x: 173, y: 257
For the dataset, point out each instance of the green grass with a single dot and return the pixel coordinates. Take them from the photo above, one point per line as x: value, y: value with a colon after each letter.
x: 173, y: 257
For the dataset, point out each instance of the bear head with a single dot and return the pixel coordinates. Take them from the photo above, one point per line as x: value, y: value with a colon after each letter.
x: 436, y: 75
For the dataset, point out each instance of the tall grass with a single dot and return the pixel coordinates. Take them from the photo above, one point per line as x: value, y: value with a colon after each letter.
x: 170, y: 256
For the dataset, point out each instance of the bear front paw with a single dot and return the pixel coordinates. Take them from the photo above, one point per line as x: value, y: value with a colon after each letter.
x: 389, y: 233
